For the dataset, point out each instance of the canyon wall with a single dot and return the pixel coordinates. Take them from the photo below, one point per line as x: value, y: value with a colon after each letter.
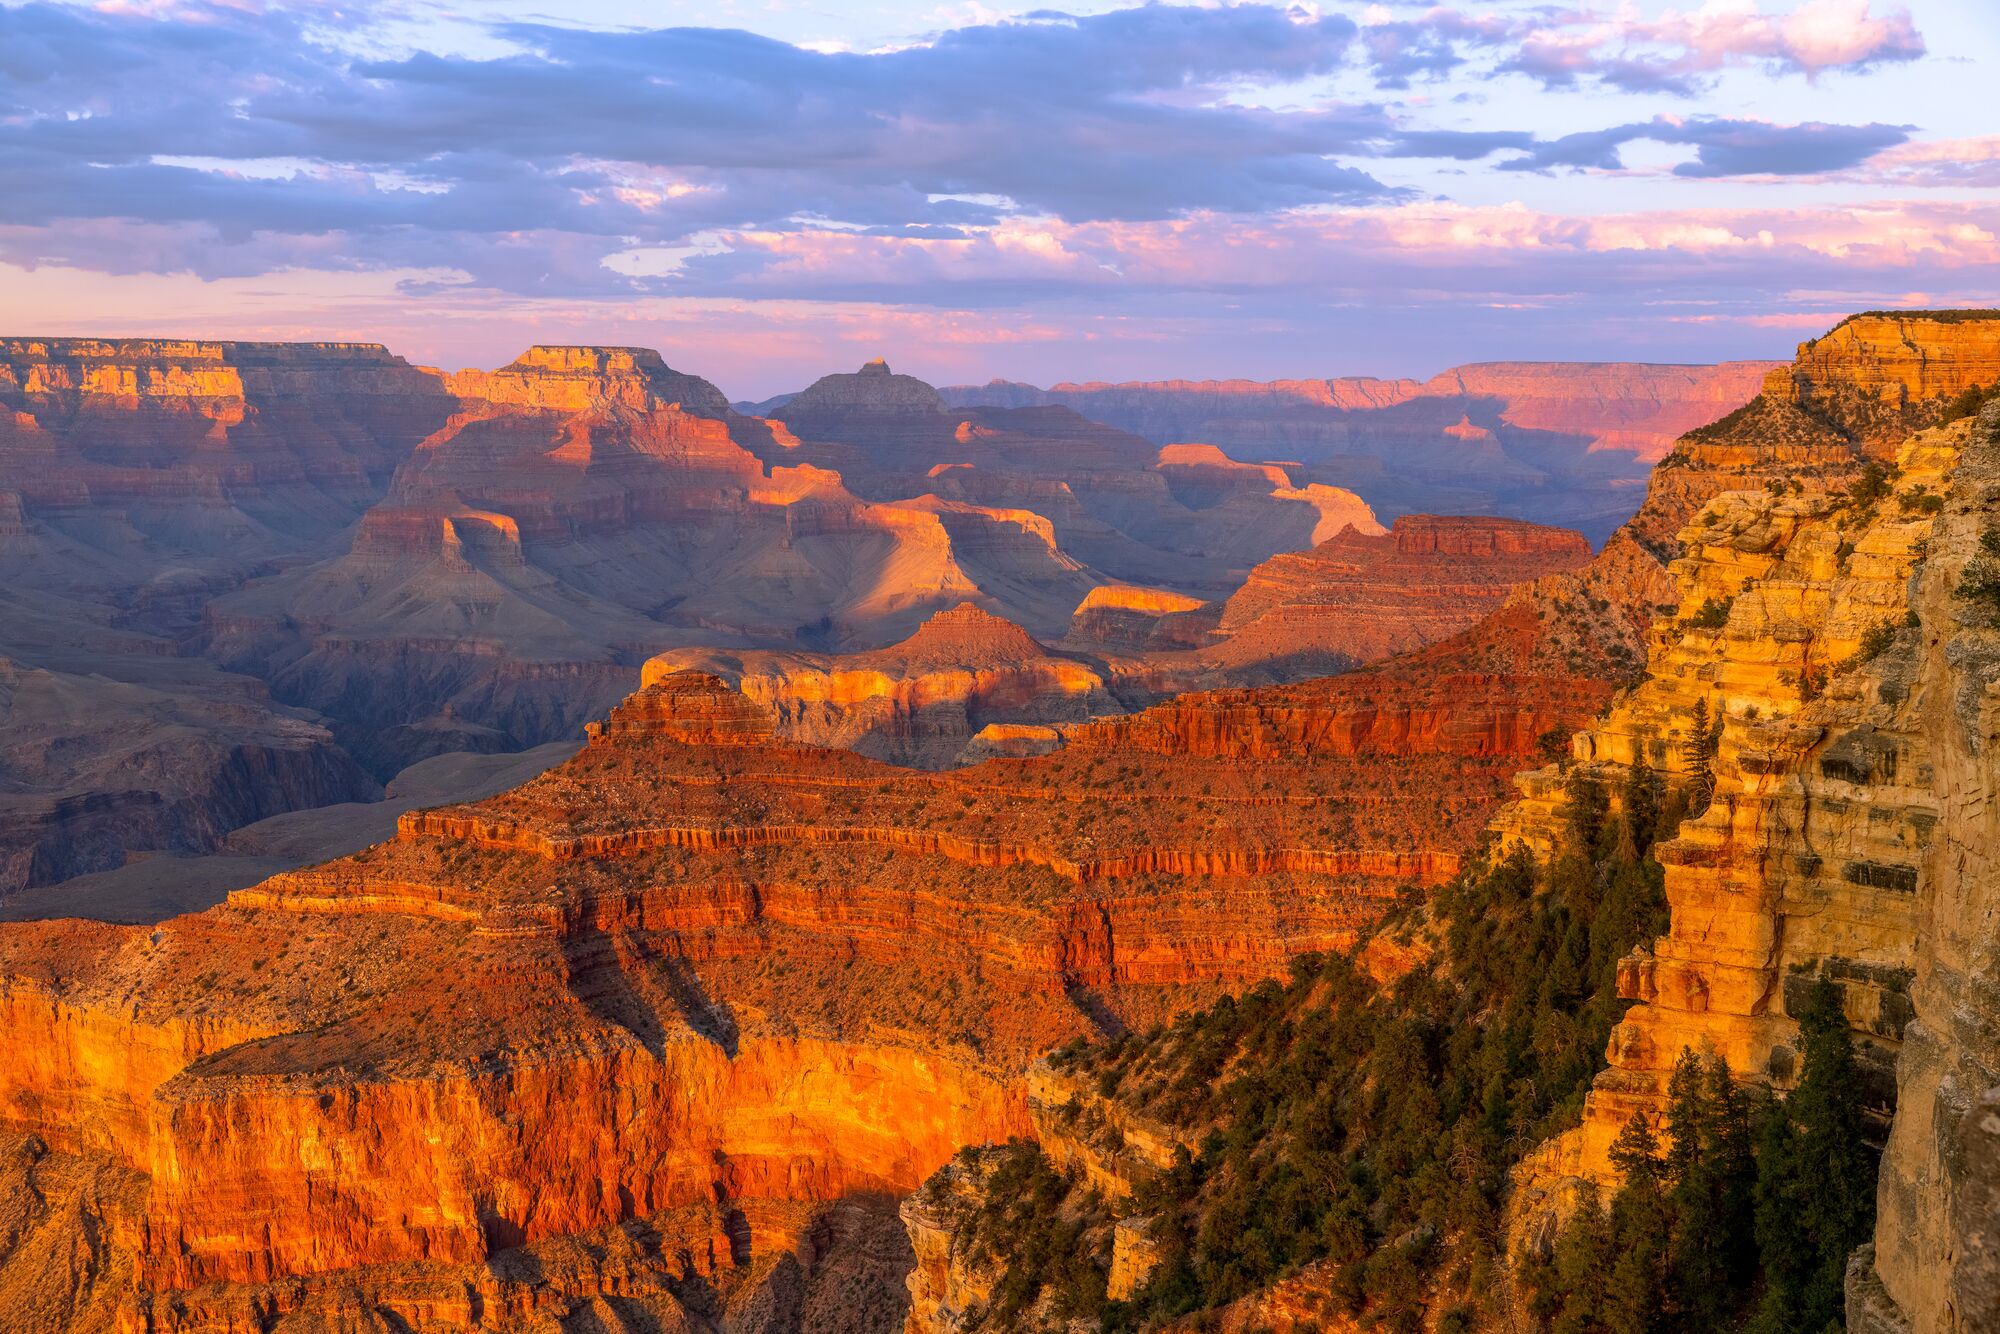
x: 698, y: 989
x: 1815, y: 636
x: 1828, y: 623
x: 1561, y: 443
x: 1936, y: 1261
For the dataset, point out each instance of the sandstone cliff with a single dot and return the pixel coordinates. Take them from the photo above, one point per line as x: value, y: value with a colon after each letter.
x: 1791, y: 626
x: 919, y: 702
x: 663, y: 1007
x: 1934, y: 1266
x: 1824, y: 621
x: 1833, y: 621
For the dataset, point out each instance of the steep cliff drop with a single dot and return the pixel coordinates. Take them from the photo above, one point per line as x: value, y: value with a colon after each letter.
x: 655, y: 1033
x: 1833, y: 634
x: 1816, y: 685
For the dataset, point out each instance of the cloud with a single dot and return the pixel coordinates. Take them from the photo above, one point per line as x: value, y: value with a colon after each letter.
x: 1404, y: 289
x: 657, y: 135
x: 1723, y: 147
x: 1672, y: 53
x: 1413, y: 247
x: 1157, y: 166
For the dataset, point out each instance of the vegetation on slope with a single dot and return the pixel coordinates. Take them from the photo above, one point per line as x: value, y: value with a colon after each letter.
x: 1366, y: 1134
x: 1741, y: 1216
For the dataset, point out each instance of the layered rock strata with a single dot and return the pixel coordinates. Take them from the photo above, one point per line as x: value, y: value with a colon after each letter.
x: 1358, y: 597
x: 1804, y: 617
x: 1935, y: 1264
x: 919, y: 702
x: 1561, y: 443
x: 696, y: 968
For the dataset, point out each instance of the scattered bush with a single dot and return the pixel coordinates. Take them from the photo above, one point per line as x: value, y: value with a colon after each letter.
x: 1875, y: 641
x: 1981, y: 582
x: 1874, y: 483
x: 1713, y: 614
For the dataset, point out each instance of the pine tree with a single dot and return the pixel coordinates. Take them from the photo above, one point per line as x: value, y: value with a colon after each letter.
x: 1586, y: 809
x: 1641, y: 800
x: 1583, y: 1260
x: 1698, y: 751
x: 1836, y: 1168
x: 1635, y: 1297
x: 1710, y: 1171
x: 1815, y: 1177
x: 1735, y: 1167
x: 1694, y: 1198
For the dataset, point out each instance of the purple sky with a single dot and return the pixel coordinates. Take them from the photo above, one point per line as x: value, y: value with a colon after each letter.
x: 766, y: 191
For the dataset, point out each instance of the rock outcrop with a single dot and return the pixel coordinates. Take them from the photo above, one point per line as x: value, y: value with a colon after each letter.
x: 1791, y: 629
x: 1935, y: 1251
x: 1824, y: 652
x: 1830, y: 623
x: 919, y: 702
x: 1358, y: 597
x: 1121, y: 616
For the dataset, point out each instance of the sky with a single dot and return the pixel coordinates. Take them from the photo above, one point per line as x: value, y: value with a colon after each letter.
x: 767, y: 191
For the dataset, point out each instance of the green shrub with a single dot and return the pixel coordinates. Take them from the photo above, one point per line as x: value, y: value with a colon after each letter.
x: 1981, y: 582
x: 1872, y: 485
x: 1713, y: 614
x: 1876, y: 641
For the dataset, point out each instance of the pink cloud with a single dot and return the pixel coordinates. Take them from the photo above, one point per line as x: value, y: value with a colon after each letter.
x: 1814, y: 37
x: 1286, y: 252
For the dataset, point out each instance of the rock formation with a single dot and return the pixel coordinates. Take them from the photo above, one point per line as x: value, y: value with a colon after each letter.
x: 656, y: 1037
x: 1834, y: 626
x: 1556, y: 442
x: 1122, y: 616
x: 93, y: 769
x: 1357, y: 597
x: 1824, y: 620
x: 1935, y: 1252
x: 1790, y: 626
x: 650, y: 1017
x: 919, y: 702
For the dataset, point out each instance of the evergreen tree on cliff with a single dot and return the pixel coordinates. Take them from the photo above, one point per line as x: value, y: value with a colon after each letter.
x: 1815, y: 1178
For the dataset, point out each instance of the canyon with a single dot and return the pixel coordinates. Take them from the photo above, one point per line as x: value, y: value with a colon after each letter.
x: 928, y: 750
x: 1815, y: 633
x: 1560, y: 443
x: 309, y: 567
x: 695, y: 978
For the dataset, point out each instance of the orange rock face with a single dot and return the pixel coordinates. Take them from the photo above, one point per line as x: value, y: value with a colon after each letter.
x: 1361, y: 597
x: 695, y: 964
x: 919, y: 702
x: 1826, y: 634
